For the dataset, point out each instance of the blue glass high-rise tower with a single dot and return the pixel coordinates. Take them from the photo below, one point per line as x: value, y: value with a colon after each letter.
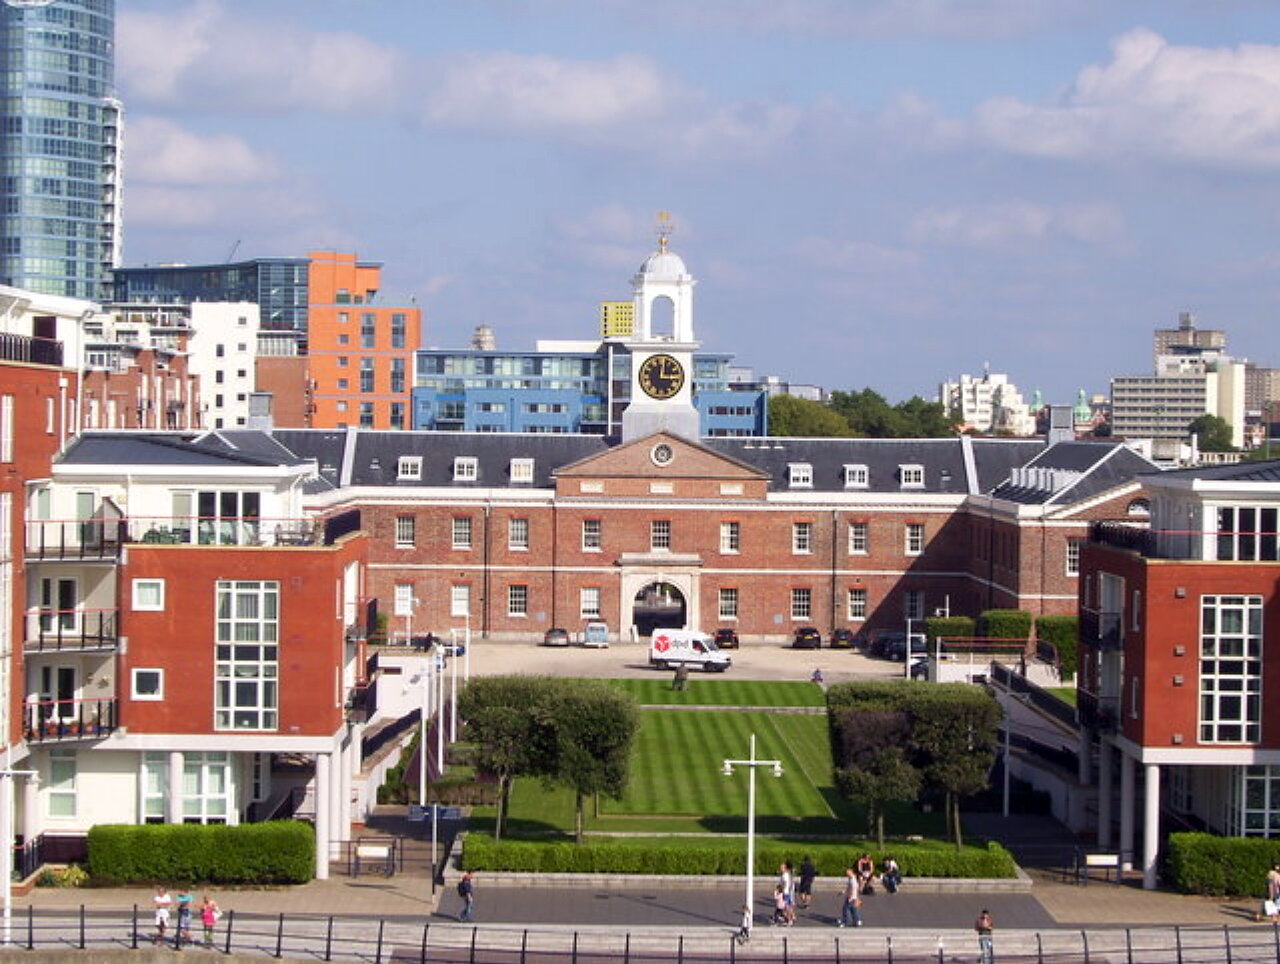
x: 60, y: 228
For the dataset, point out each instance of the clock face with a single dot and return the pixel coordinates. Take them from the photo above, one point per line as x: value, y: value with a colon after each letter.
x: 661, y: 376
x: 662, y: 454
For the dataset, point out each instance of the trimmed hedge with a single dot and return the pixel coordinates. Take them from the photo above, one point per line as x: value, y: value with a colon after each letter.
x: 1063, y: 633
x: 277, y: 852
x: 1005, y: 624
x: 951, y: 627
x: 692, y: 858
x: 1201, y: 863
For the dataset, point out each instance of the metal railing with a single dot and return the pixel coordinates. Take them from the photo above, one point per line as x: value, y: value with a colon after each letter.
x: 1248, y: 545
x: 1101, y: 628
x: 25, y: 348
x: 55, y: 720
x: 62, y: 539
x: 58, y: 630
x: 376, y: 940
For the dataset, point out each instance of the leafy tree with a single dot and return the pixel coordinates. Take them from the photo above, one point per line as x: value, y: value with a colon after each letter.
x: 870, y: 415
x: 1212, y: 432
x: 955, y: 739
x: 800, y: 418
x: 595, y: 725
x: 873, y: 767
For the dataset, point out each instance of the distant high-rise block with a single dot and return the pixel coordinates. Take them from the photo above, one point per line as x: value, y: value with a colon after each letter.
x: 617, y: 319
x: 60, y: 227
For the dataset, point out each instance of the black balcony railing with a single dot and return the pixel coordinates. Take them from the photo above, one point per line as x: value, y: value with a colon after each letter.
x: 84, y: 539
x: 35, y: 351
x: 58, y: 630
x: 1101, y: 629
x: 1097, y: 712
x: 55, y: 720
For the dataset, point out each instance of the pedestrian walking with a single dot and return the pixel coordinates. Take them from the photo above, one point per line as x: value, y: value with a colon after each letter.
x: 681, y: 679
x: 162, y: 903
x: 787, y: 881
x: 805, y: 888
x: 209, y: 915
x: 850, y: 901
x: 984, y: 925
x: 467, y: 891
x: 779, y: 906
x: 748, y: 921
x: 182, y: 934
x: 1271, y: 903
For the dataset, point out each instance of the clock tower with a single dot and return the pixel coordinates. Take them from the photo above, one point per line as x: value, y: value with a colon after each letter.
x: 662, y: 360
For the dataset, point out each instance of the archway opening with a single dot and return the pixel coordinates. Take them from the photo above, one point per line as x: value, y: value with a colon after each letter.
x: 659, y: 605
x: 662, y: 318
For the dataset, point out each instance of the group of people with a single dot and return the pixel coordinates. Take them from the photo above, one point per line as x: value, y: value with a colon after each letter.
x: 794, y: 890
x: 164, y: 904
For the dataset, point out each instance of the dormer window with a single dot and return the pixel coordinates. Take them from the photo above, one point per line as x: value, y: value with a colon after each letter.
x: 466, y: 468
x: 800, y: 475
x: 911, y: 476
x: 409, y: 468
x: 856, y: 477
x: 522, y: 471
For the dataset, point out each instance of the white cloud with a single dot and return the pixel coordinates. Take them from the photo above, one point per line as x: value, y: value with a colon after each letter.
x: 242, y: 207
x: 864, y: 257
x: 161, y: 152
x: 532, y: 92
x: 198, y: 55
x: 1154, y: 101
x: 1013, y: 223
x: 609, y: 236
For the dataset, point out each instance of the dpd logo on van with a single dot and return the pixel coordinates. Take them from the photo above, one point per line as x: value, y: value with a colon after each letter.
x: 662, y: 643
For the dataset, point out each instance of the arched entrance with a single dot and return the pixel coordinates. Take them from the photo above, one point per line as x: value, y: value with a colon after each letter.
x: 659, y: 605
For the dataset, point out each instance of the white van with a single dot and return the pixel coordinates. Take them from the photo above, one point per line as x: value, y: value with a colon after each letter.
x: 596, y: 635
x: 669, y: 648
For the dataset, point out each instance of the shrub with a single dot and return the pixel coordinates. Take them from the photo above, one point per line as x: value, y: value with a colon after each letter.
x: 1201, y: 863
x: 278, y: 852
x: 696, y: 859
x: 949, y: 627
x: 1005, y: 624
x: 71, y: 876
x: 1063, y: 633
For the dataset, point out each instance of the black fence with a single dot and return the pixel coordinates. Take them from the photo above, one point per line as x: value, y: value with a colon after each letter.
x: 403, y: 941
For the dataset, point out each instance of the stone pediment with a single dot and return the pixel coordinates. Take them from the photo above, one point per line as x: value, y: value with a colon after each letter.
x: 662, y: 456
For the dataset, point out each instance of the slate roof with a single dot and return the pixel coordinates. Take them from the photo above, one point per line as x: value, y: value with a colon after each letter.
x: 1267, y: 471
x: 142, y: 448
x: 1083, y: 470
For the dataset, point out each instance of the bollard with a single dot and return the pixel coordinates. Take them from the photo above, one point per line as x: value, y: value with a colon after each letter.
x: 473, y: 944
x: 280, y: 937
x: 1128, y: 945
x: 422, y: 955
x: 1084, y: 936
x: 942, y: 955
x: 82, y: 927
x: 524, y: 944
x: 575, y: 947
x: 1177, y: 937
x: 231, y: 919
x: 1226, y: 940
x: 377, y: 958
x: 134, y: 942
x: 680, y: 951
x: 328, y: 940
x: 1039, y: 948
x: 626, y: 950
x: 733, y: 950
x: 888, y: 948
x: 786, y: 957
x: 837, y: 940
x: 31, y: 928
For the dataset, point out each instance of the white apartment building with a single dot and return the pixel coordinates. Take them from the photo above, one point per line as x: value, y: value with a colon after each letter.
x: 1160, y: 406
x: 988, y: 403
x: 222, y: 352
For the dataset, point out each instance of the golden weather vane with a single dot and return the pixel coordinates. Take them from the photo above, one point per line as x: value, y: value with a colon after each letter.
x: 665, y: 227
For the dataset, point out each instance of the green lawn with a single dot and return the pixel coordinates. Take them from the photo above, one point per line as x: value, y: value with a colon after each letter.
x: 677, y: 785
x: 721, y: 692
x: 1065, y: 693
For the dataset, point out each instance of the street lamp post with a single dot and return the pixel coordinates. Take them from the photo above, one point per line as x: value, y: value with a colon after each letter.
x: 424, y: 677
x: 751, y: 763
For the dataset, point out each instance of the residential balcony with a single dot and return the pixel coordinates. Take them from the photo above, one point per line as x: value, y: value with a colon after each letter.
x: 1101, y: 629
x: 53, y: 721
x: 24, y: 348
x: 1098, y: 712
x: 103, y: 539
x: 1236, y: 545
x: 70, y: 630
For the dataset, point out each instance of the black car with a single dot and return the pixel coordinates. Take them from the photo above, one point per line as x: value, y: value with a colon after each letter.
x: 556, y: 637
x: 885, y: 640
x: 726, y: 638
x: 807, y: 637
x: 897, y: 649
x: 843, y: 639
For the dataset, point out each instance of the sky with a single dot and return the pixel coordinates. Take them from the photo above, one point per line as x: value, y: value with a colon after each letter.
x: 881, y: 193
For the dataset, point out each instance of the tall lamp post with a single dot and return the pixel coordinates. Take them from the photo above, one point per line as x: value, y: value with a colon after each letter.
x: 751, y: 763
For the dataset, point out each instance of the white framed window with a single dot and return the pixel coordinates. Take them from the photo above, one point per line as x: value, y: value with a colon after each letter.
x: 402, y: 600
x: 1073, y: 557
x: 522, y: 471
x: 406, y: 531
x: 913, y: 604
x: 1230, y: 669
x: 518, y: 534
x: 800, y: 475
x: 660, y: 535
x: 857, y: 604
x: 247, y: 659
x: 730, y: 537
x: 154, y: 786
x: 460, y: 600
x: 913, y: 538
x: 147, y: 685
x: 148, y: 595
x: 466, y: 468
x: 462, y: 532
x: 409, y: 467
x: 518, y: 600
x: 589, y: 601
x: 911, y: 476
x: 62, y: 782
x: 728, y: 603
x: 856, y: 477
x: 801, y: 538
x: 206, y: 787
x: 859, y: 538
x: 6, y: 428
x: 50, y: 408
x: 801, y: 603
x: 591, y: 535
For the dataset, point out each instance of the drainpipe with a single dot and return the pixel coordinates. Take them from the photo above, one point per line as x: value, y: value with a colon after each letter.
x: 484, y: 605
x: 835, y: 529
x: 555, y: 557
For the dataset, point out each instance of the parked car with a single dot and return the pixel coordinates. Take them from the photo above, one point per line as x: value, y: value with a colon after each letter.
x: 897, y: 651
x: 843, y: 639
x: 807, y: 637
x: 882, y: 640
x: 726, y: 638
x: 556, y: 637
x: 920, y: 669
x: 596, y: 635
